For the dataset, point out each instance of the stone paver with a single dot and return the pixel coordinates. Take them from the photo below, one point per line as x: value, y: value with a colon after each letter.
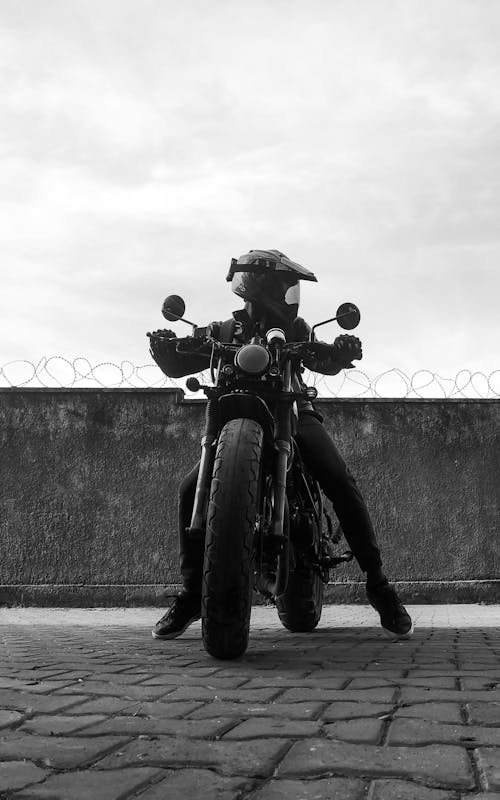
x: 42, y: 704
x: 92, y: 707
x: 436, y: 712
x: 489, y: 762
x: 368, y: 731
x: 403, y: 790
x: 61, y: 752
x: 286, y: 710
x: 451, y: 695
x: 254, y: 757
x: 446, y: 765
x: 263, y: 727
x: 196, y: 784
x: 89, y: 785
x: 128, y: 692
x: 343, y: 709
x: 385, y: 695
x: 8, y: 718
x: 148, y: 727
x: 482, y: 796
x: 220, y: 694
x: 51, y: 725
x: 417, y: 731
x: 320, y: 789
x: 485, y: 713
x: 16, y: 774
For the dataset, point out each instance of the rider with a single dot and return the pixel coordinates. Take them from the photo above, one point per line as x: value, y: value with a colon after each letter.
x: 268, y: 282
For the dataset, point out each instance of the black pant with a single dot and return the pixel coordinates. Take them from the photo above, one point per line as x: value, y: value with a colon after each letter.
x: 328, y: 467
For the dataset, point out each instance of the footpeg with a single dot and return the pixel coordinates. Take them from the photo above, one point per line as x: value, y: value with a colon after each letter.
x: 332, y: 561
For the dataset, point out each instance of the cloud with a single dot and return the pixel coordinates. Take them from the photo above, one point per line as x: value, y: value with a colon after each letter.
x: 144, y: 144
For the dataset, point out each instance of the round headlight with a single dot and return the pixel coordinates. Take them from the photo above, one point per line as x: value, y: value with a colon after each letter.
x: 253, y: 358
x: 275, y: 335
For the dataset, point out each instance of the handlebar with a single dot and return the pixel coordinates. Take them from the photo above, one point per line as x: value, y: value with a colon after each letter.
x: 316, y: 349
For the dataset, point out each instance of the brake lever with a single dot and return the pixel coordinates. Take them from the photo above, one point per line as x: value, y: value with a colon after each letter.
x: 208, y: 343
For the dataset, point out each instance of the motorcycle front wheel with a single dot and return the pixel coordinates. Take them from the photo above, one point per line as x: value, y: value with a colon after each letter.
x: 228, y: 566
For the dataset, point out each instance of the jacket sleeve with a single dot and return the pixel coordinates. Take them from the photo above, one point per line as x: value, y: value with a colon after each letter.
x: 174, y: 364
x: 327, y: 362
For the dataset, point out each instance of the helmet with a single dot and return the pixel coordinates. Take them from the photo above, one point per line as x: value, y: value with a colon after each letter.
x: 269, y: 281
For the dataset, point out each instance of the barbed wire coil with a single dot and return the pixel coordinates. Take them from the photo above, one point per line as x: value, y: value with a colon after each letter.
x: 61, y: 372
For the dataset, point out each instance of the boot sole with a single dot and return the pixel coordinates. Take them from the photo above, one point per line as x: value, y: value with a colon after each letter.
x: 399, y: 636
x: 175, y: 634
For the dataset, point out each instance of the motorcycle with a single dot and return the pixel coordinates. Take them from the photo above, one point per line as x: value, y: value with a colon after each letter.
x: 259, y: 511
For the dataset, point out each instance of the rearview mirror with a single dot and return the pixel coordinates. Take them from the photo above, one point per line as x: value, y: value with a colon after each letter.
x: 173, y: 307
x: 348, y: 316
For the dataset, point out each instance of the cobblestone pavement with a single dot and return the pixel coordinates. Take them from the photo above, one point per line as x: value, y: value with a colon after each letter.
x: 92, y: 708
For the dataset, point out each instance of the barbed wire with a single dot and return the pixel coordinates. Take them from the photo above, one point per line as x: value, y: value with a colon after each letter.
x: 61, y: 372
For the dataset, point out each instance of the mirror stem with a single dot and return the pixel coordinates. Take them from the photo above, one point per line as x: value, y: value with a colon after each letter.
x: 183, y: 319
x: 326, y: 321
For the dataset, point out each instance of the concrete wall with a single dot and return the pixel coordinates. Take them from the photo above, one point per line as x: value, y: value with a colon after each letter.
x: 89, y: 491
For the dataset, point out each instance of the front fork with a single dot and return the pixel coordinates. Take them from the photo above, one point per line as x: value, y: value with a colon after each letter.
x: 280, y: 532
x: 197, y: 527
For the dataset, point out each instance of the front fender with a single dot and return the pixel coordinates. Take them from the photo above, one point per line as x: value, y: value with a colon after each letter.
x: 247, y: 406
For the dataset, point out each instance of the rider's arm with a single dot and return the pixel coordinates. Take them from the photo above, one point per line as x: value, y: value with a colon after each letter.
x: 333, y: 357
x: 171, y: 362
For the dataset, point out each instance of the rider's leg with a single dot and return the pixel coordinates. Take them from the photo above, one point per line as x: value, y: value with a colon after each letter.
x: 328, y: 467
x: 185, y: 607
x: 191, y: 545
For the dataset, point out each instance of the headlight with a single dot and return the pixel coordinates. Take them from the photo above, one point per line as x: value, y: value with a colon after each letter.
x: 253, y: 358
x: 276, y: 335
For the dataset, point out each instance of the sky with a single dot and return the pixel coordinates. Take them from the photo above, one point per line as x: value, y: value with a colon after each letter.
x: 144, y: 143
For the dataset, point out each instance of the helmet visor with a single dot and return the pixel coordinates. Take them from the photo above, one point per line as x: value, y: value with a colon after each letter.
x: 281, y: 289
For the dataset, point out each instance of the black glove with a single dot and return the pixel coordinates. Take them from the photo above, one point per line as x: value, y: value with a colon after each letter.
x: 163, y: 333
x: 346, y: 348
x: 330, y: 359
x: 188, y: 344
